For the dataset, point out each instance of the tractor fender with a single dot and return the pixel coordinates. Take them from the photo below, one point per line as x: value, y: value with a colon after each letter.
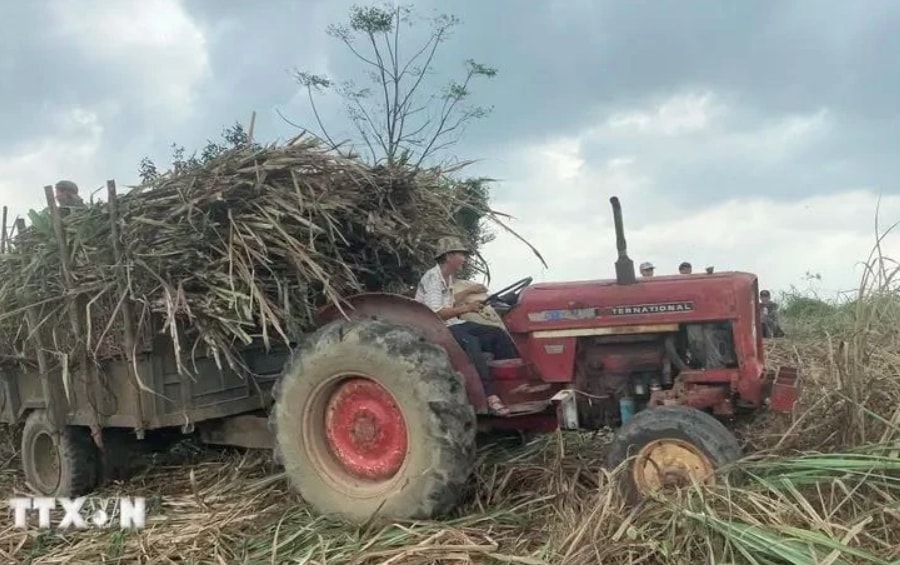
x: 410, y: 313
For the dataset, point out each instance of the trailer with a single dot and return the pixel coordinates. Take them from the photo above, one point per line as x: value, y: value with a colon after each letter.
x: 79, y: 414
x: 64, y: 456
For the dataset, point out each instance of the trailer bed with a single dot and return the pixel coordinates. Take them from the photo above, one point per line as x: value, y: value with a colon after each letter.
x: 172, y: 399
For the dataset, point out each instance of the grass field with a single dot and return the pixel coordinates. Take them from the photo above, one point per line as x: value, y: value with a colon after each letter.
x: 821, y: 487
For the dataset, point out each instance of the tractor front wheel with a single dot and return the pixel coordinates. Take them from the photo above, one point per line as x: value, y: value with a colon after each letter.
x: 670, y: 447
x: 372, y: 420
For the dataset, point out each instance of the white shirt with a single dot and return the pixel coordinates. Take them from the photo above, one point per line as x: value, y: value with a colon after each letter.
x: 436, y: 293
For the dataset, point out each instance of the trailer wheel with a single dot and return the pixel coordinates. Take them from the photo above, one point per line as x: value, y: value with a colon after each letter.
x: 372, y: 420
x: 670, y: 447
x: 58, y: 464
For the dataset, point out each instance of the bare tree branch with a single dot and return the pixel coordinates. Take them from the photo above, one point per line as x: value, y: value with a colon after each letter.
x: 401, y: 120
x: 368, y: 119
x: 437, y: 39
x: 315, y: 110
x: 389, y: 123
x: 455, y: 95
x: 367, y: 140
x: 360, y: 56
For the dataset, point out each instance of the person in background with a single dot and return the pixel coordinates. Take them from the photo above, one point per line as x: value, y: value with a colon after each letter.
x: 768, y: 315
x: 647, y: 269
x: 67, y: 194
x: 435, y: 290
x: 685, y: 268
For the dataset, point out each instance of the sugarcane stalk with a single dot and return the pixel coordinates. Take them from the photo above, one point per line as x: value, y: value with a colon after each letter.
x: 127, y: 307
x: 56, y: 410
x: 239, y: 251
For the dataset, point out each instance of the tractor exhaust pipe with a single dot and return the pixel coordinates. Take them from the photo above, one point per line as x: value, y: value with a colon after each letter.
x: 624, y: 266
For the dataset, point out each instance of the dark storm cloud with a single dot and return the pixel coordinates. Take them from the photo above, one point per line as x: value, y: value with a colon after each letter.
x: 251, y: 49
x: 569, y: 64
x: 33, y: 69
x: 255, y: 48
x: 564, y: 66
x: 47, y: 75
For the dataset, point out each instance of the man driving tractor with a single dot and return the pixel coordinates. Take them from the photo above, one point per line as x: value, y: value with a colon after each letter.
x: 435, y: 290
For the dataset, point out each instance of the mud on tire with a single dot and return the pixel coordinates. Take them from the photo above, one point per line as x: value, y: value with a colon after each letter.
x: 680, y: 435
x: 58, y: 465
x: 371, y: 420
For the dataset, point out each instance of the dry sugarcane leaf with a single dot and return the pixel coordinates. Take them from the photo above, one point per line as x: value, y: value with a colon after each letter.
x: 241, y: 250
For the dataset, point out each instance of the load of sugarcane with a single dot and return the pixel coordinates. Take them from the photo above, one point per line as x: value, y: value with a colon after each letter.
x: 238, y: 251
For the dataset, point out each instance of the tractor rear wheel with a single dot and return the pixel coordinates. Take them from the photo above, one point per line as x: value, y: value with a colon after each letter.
x: 372, y: 420
x: 670, y: 447
x: 58, y: 464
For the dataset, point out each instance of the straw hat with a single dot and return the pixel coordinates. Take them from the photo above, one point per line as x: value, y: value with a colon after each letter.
x: 486, y: 316
x: 450, y: 245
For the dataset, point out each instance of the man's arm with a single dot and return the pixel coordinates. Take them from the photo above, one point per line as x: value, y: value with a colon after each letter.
x: 467, y: 290
x: 432, y: 296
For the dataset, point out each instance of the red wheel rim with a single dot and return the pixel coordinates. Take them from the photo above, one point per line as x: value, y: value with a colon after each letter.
x: 365, y: 429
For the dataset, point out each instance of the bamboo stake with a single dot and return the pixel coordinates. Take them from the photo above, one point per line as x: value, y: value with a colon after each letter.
x: 17, y: 228
x: 56, y: 411
x: 73, y: 308
x: 127, y: 312
x: 5, y: 235
x: 252, y: 126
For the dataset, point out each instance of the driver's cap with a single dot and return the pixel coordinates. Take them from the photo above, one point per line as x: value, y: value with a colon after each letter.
x: 449, y: 245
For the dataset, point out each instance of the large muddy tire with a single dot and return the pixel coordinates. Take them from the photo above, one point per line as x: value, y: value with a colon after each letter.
x: 670, y: 447
x: 61, y: 464
x: 373, y: 422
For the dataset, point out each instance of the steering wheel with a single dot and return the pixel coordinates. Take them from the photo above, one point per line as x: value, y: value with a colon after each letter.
x: 517, y: 286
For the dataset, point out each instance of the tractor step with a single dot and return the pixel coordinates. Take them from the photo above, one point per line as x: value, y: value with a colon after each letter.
x: 523, y: 408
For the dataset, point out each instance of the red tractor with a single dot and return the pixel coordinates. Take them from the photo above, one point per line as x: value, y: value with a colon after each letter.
x: 378, y: 411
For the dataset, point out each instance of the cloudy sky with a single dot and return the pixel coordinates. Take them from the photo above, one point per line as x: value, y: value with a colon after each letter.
x: 755, y: 136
